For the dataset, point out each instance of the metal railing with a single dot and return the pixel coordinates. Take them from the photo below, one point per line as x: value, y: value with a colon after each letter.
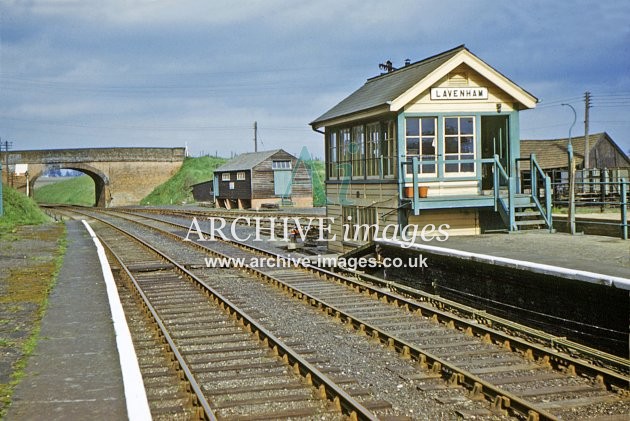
x: 507, y: 211
x: 412, y: 167
x: 505, y: 187
x: 598, y: 190
x: 500, y: 178
x: 1, y: 209
x: 538, y: 186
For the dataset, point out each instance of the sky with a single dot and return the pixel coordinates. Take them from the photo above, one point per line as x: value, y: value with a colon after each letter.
x: 199, y: 73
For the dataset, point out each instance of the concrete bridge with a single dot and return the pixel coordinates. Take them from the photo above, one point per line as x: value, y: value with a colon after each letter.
x: 122, y: 176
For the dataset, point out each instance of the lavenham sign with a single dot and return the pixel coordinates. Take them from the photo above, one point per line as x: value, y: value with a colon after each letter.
x: 459, y: 93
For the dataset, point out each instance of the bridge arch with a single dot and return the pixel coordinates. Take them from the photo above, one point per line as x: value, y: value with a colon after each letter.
x: 122, y: 176
x: 101, y: 181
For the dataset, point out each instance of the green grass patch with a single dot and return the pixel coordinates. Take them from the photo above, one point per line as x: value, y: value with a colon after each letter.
x: 25, y: 286
x: 72, y: 191
x: 19, y: 210
x: 196, y: 170
x: 177, y: 189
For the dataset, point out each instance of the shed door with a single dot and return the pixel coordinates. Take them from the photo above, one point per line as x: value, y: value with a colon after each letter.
x: 282, y: 183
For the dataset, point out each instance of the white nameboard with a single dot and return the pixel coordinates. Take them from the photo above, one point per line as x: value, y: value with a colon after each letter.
x: 21, y: 169
x: 458, y: 93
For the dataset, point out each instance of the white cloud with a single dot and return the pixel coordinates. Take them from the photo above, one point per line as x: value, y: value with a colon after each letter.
x: 112, y: 64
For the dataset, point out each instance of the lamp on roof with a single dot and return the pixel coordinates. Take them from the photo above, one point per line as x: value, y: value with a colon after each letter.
x: 388, y: 66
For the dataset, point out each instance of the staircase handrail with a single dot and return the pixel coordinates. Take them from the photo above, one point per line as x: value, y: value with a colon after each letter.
x: 535, y: 172
x: 501, y: 174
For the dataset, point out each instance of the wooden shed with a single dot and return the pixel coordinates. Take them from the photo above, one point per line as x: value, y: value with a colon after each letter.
x: 204, y: 191
x: 552, y: 153
x: 252, y: 180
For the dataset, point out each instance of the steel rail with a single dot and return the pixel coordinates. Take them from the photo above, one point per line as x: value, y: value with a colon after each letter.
x: 232, y: 215
x: 502, y: 402
x: 327, y: 388
x: 199, y: 398
x: 485, y: 324
x: 547, y: 357
x: 618, y: 375
x: 218, y: 212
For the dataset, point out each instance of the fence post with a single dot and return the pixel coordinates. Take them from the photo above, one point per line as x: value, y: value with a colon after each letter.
x: 511, y: 197
x: 1, y: 209
x: 548, y: 203
x: 495, y: 175
x: 533, y: 179
x: 624, y: 208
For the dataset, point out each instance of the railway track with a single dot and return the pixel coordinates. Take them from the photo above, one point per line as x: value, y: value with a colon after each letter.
x: 240, y: 215
x: 234, y: 368
x: 519, y: 378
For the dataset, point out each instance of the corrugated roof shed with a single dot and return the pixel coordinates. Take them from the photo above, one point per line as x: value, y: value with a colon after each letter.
x: 552, y: 153
x: 246, y: 161
x: 382, y: 89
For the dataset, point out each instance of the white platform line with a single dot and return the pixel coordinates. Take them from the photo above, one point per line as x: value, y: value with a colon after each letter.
x: 135, y: 394
x: 580, y: 275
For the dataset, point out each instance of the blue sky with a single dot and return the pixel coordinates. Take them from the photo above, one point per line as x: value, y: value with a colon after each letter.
x: 77, y: 73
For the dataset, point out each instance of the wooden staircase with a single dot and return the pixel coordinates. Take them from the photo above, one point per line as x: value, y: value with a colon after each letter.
x: 520, y: 210
x: 527, y: 214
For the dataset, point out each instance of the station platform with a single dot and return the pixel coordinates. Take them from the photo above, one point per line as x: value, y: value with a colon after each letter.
x: 568, y: 286
x: 589, y: 253
x: 74, y: 372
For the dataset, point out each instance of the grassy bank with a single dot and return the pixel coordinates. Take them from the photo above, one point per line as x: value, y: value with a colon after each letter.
x: 177, y: 189
x: 19, y: 210
x: 71, y: 191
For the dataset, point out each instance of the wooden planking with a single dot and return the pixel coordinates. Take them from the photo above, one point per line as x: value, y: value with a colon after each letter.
x: 259, y: 181
x: 383, y: 197
x: 461, y: 221
x: 242, y: 188
x: 262, y: 177
x: 423, y: 102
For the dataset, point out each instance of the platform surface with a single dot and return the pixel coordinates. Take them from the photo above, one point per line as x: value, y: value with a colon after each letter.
x: 74, y: 372
x: 592, y: 253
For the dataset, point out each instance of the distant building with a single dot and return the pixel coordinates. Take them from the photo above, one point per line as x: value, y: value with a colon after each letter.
x: 251, y: 180
x: 607, y: 163
x: 552, y: 156
x: 204, y: 191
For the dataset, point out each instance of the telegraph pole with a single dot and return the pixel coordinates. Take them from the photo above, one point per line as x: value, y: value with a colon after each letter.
x: 587, y: 106
x: 1, y: 210
x: 7, y: 145
x: 255, y: 136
